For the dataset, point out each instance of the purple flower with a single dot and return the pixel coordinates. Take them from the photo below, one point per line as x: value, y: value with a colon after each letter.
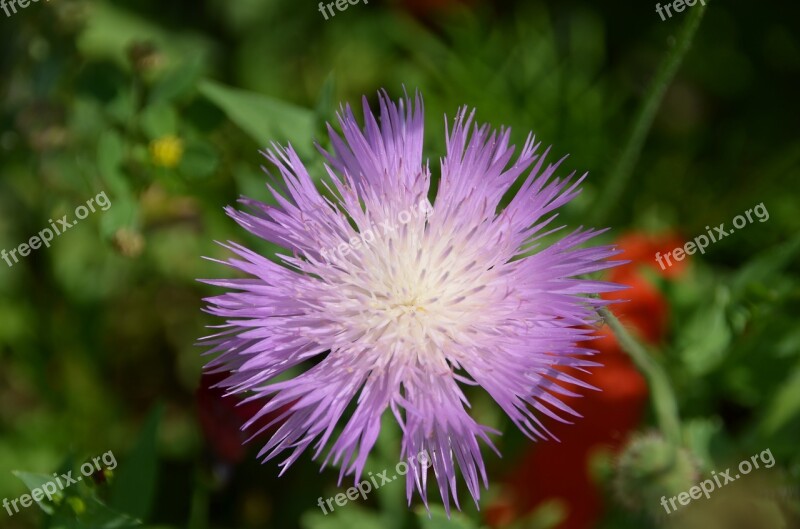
x: 389, y: 302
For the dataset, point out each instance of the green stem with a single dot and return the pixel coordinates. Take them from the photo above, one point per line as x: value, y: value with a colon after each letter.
x: 664, y: 400
x: 623, y: 169
x: 198, y: 513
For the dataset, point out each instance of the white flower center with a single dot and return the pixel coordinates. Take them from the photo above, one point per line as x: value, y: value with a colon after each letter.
x: 416, y: 296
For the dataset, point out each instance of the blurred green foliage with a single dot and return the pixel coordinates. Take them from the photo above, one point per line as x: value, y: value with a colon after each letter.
x: 164, y: 106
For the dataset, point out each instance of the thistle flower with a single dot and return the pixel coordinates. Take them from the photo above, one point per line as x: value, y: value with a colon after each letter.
x: 402, y: 319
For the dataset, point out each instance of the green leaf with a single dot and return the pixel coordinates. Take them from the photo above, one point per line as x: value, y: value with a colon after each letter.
x: 75, y: 507
x: 264, y: 118
x: 350, y: 516
x: 179, y: 81
x: 111, y: 29
x: 199, y: 160
x: 134, y: 486
x: 88, y: 512
x: 124, y: 213
x: 159, y: 120
x: 35, y: 481
x: 787, y: 345
x: 86, y: 119
x: 547, y: 515
x: 765, y: 265
x: 392, y: 499
x: 438, y: 519
x: 110, y: 154
x: 251, y: 182
x: 698, y: 435
x: 324, y: 108
x: 706, y: 337
x: 122, y: 108
x: 785, y: 405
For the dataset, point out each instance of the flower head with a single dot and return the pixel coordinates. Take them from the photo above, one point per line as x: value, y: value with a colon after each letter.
x: 166, y: 151
x: 390, y: 302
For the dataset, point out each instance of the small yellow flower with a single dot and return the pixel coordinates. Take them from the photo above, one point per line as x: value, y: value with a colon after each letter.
x: 166, y: 151
x: 77, y: 504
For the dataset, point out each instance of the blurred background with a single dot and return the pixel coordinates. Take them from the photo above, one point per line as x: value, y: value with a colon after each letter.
x: 164, y: 106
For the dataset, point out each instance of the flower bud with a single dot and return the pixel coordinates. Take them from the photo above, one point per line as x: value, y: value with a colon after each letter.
x: 649, y: 468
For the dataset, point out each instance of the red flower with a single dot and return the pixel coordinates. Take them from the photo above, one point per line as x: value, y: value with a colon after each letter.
x: 221, y: 419
x: 645, y: 313
x: 641, y: 250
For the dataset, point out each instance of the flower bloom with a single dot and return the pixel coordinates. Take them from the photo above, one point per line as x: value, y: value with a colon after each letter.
x: 465, y: 294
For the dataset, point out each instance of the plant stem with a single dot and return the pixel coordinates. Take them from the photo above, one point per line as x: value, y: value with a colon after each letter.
x: 198, y: 513
x: 664, y: 401
x: 623, y: 169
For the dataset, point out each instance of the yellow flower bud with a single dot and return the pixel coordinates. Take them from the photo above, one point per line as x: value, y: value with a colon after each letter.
x: 77, y: 504
x: 166, y: 151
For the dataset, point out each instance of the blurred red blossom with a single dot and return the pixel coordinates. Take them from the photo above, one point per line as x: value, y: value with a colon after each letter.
x: 641, y: 249
x: 222, y: 417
